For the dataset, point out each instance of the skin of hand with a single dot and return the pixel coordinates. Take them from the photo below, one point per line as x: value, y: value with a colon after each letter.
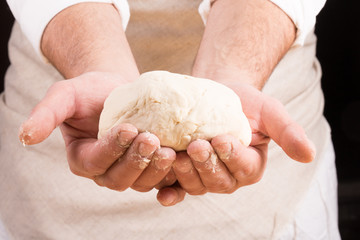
x: 123, y: 158
x: 242, y: 44
x: 111, y: 63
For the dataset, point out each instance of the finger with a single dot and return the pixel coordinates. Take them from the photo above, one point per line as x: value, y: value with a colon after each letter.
x: 187, y: 175
x: 158, y: 168
x: 168, y: 180
x: 246, y: 164
x: 53, y: 109
x: 91, y: 157
x: 289, y: 135
x: 169, y: 196
x: 213, y: 173
x: 123, y: 173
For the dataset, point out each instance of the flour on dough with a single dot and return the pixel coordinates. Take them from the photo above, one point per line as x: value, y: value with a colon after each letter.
x: 176, y: 108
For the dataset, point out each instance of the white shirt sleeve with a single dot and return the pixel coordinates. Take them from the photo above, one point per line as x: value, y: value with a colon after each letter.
x: 34, y: 15
x: 302, y: 12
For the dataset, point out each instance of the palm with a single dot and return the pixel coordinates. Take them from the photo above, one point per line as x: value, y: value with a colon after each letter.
x: 253, y: 102
x: 88, y: 94
x: 237, y: 165
x: 268, y: 118
x: 119, y: 160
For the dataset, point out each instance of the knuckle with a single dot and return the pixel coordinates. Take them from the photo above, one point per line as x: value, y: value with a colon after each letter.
x: 141, y: 188
x: 247, y: 171
x: 111, y: 182
x: 115, y: 186
x: 250, y: 180
x: 75, y: 171
x: 255, y: 179
x: 225, y: 186
x: 231, y: 190
x: 93, y: 168
x: 221, y: 186
x: 195, y: 192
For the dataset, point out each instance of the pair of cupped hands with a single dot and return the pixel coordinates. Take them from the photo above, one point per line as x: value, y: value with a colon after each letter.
x: 125, y: 158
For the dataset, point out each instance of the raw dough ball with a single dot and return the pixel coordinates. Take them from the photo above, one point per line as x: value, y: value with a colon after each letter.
x: 176, y: 108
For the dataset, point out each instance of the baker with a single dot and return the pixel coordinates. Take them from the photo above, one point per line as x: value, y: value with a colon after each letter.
x: 247, y: 45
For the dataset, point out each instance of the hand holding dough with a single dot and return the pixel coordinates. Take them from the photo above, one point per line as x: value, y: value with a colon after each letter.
x: 177, y: 109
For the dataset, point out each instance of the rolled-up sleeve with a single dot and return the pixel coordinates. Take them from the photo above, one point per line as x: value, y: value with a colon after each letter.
x: 302, y: 12
x: 34, y: 15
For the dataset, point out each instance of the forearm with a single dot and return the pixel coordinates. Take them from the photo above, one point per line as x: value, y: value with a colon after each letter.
x: 88, y: 37
x: 243, y: 41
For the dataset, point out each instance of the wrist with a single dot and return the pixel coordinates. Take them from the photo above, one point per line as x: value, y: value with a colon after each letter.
x: 228, y: 74
x: 88, y: 37
x: 243, y: 41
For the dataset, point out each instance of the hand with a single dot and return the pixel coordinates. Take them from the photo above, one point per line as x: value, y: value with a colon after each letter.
x: 243, y: 42
x: 121, y: 159
x: 224, y: 164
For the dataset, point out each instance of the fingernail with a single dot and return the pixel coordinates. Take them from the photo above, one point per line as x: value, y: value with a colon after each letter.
x: 224, y: 151
x: 125, y: 138
x: 313, y: 150
x: 25, y: 138
x: 161, y: 163
x: 146, y: 150
x: 166, y: 196
x: 28, y: 132
x: 200, y: 156
x: 183, y: 167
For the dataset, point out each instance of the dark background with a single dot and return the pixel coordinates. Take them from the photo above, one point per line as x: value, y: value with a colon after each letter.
x: 337, y: 28
x: 338, y: 50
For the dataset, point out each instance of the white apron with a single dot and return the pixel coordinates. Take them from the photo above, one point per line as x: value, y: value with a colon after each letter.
x: 41, y: 199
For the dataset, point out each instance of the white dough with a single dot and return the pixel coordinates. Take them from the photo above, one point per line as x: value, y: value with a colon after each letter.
x: 176, y: 108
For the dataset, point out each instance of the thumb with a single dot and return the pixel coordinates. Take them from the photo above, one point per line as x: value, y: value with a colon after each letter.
x: 57, y: 106
x: 289, y: 135
x: 172, y: 195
